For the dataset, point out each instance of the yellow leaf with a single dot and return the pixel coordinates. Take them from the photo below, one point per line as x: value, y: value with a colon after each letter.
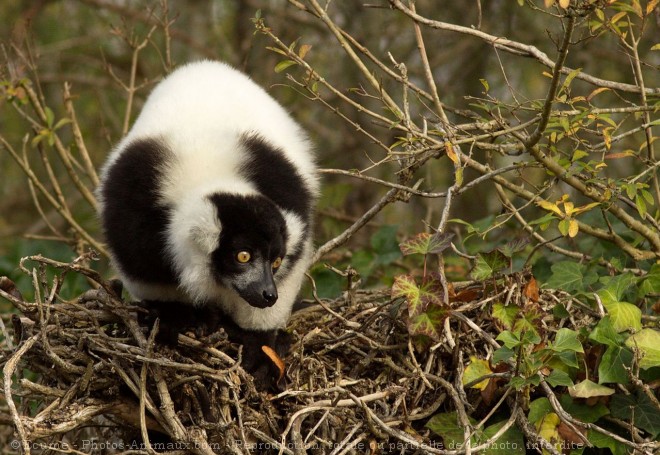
x: 549, y: 3
x: 573, y: 228
x: 476, y: 369
x: 451, y: 153
x: 584, y: 208
x: 564, y: 3
x: 650, y: 6
x: 550, y: 207
x: 547, y: 428
x: 568, y: 207
x: 276, y: 359
x: 596, y: 92
x: 304, y: 49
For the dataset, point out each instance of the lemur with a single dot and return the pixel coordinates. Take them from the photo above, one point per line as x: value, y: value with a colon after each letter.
x: 207, y: 204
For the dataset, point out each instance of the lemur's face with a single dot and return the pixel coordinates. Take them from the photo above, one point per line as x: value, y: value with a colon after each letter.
x: 251, y: 248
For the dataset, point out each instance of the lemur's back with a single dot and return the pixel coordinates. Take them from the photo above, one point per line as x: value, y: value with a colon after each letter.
x: 205, y: 130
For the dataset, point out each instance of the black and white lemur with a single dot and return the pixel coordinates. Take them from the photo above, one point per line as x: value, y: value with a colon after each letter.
x: 207, y: 204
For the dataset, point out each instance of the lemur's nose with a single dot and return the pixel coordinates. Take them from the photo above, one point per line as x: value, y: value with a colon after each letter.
x: 269, y: 296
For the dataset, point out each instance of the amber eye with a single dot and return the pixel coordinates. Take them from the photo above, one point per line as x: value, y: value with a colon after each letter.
x: 277, y: 262
x: 243, y: 257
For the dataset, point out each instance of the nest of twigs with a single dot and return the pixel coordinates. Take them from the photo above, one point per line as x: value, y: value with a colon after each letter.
x: 85, y: 374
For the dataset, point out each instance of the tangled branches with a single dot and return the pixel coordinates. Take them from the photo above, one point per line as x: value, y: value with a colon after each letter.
x: 85, y: 371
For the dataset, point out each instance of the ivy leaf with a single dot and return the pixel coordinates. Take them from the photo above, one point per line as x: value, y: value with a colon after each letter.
x: 567, y: 340
x: 502, y: 354
x: 603, y: 441
x: 624, y: 316
x: 648, y: 342
x: 588, y: 389
x: 487, y: 264
x: 650, y: 283
x: 386, y: 245
x: 571, y: 276
x: 611, y: 368
x: 646, y: 414
x: 604, y: 333
x: 582, y: 411
x: 547, y: 429
x: 428, y: 323
x: 506, y: 315
x: 476, y: 369
x: 447, y: 426
x: 510, y: 339
x: 538, y: 409
x: 515, y: 245
x: 406, y: 287
x: 512, y: 441
x: 559, y: 378
x: 616, y: 287
x: 426, y: 243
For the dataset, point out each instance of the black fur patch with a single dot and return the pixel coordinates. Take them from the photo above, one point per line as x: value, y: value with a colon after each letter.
x: 276, y: 177
x: 249, y: 223
x: 205, y: 321
x: 133, y: 220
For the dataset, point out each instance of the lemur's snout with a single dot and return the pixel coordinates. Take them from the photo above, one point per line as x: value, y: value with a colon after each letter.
x: 270, y: 296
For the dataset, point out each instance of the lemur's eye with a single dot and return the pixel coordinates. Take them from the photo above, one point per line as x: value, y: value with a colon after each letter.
x: 243, y: 257
x: 277, y: 263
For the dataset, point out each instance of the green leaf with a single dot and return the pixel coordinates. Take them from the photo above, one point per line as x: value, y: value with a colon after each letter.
x: 640, y: 203
x: 571, y: 276
x: 284, y: 64
x: 487, y: 264
x: 611, y: 368
x: 582, y: 411
x: 386, y: 245
x: 506, y: 315
x: 426, y: 243
x: 538, y: 409
x: 650, y: 283
x: 568, y: 358
x: 502, y: 354
x: 511, y: 442
x: 648, y: 342
x: 569, y: 78
x: 447, y: 426
x: 61, y: 123
x: 428, y: 323
x: 510, y: 339
x: 406, y: 287
x: 418, y: 298
x: 624, y: 316
x: 558, y: 378
x: 588, y: 389
x: 567, y: 340
x: 514, y: 246
x: 603, y: 441
x: 616, y: 287
x: 646, y: 414
x: 50, y: 117
x: 604, y: 333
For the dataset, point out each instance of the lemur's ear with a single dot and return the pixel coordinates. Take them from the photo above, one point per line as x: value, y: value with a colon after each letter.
x: 206, y: 236
x: 195, y: 226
